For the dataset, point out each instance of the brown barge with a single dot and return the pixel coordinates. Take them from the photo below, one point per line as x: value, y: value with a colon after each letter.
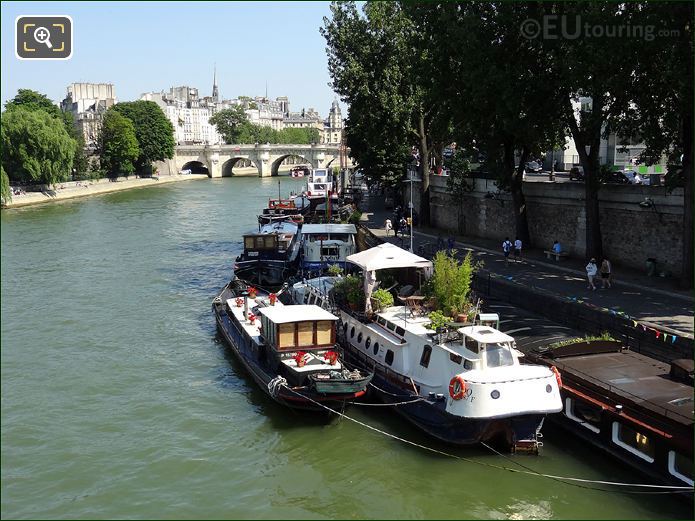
x: 636, y: 408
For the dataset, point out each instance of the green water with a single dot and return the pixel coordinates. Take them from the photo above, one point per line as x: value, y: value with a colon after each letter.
x: 119, y: 401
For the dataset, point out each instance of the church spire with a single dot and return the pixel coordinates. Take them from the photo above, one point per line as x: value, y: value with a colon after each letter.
x: 215, y: 90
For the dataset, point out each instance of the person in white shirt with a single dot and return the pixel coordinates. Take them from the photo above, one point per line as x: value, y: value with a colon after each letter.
x: 591, y: 270
x: 517, y: 250
x: 506, y: 249
x: 388, y: 226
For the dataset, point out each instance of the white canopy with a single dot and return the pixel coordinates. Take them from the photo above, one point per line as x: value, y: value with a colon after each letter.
x: 387, y: 256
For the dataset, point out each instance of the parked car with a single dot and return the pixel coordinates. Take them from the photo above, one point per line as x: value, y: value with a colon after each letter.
x: 617, y: 177
x: 533, y: 166
x: 633, y: 177
x: 576, y: 173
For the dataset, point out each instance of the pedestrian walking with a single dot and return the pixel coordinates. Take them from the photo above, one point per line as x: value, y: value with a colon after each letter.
x: 450, y: 245
x: 605, y: 273
x: 403, y: 225
x: 517, y: 249
x: 440, y: 243
x: 506, y: 249
x: 388, y: 226
x: 591, y: 271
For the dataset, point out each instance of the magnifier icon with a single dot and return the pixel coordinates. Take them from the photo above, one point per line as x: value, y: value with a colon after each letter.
x: 43, y: 35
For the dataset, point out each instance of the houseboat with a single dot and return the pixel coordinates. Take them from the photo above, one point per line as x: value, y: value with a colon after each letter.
x: 270, y: 256
x: 289, y: 351
x: 284, y: 210
x: 633, y: 407
x: 323, y: 245
x: 466, y: 384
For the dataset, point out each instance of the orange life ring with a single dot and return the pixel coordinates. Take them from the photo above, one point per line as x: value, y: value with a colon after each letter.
x: 457, y: 395
x: 557, y: 376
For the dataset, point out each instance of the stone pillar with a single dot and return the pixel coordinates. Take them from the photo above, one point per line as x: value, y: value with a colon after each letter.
x: 212, y: 161
x: 263, y: 162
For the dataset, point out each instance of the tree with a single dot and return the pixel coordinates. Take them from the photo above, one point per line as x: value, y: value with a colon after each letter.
x: 5, y: 192
x: 459, y: 183
x: 231, y: 123
x: 154, y: 132
x: 32, y: 100
x: 665, y: 122
x: 79, y: 162
x: 36, y: 147
x: 118, y: 145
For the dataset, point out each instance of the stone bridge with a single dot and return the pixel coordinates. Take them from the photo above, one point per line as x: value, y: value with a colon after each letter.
x: 219, y: 160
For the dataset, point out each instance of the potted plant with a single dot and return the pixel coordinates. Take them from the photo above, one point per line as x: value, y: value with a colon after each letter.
x: 300, y: 358
x: 437, y: 320
x: 349, y: 290
x: 334, y: 270
x: 252, y: 292
x: 382, y: 299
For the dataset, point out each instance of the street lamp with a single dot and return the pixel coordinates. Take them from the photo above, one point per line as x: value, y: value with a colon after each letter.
x: 411, y: 176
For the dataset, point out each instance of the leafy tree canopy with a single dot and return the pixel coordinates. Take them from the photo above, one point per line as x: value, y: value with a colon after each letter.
x: 32, y: 100
x: 154, y: 132
x: 36, y: 147
x: 118, y: 145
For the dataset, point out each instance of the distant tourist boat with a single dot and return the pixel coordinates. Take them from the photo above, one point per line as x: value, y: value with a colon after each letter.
x: 633, y: 407
x: 300, y: 171
x: 323, y: 245
x: 270, y: 256
x: 464, y: 387
x: 290, y: 351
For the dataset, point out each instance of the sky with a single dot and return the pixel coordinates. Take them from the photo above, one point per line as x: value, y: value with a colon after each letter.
x: 152, y: 46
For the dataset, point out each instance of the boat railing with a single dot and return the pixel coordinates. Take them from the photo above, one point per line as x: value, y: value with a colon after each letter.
x: 621, y: 392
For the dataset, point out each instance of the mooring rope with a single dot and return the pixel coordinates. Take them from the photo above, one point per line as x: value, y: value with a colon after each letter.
x: 660, y: 489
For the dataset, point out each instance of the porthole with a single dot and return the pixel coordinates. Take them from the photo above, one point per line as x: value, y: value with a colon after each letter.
x: 389, y: 357
x: 367, y: 343
x: 495, y: 394
x: 352, y: 332
x: 345, y: 327
x: 376, y: 347
x: 359, y: 337
x: 548, y: 388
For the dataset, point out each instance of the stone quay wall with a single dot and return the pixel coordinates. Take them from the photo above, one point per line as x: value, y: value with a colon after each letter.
x: 631, y: 233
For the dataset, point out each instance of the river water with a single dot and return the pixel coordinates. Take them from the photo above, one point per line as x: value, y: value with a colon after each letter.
x: 119, y: 401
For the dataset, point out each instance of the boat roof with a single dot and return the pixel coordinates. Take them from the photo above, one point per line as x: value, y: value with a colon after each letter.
x: 485, y: 334
x: 285, y: 314
x: 386, y: 256
x: 321, y: 283
x: 328, y: 228
x: 279, y: 227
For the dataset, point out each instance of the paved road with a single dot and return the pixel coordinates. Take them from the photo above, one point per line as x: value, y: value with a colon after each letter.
x: 644, y: 298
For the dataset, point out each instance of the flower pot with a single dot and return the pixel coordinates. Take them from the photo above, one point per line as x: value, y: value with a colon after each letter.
x: 462, y: 318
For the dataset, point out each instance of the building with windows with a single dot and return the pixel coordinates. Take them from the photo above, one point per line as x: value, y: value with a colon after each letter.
x: 333, y: 126
x: 87, y: 102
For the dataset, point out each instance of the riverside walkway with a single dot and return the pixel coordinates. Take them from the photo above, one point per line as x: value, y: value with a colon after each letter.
x: 649, y: 300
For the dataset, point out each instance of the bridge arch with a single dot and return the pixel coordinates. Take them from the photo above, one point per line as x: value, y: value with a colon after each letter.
x: 196, y: 167
x: 275, y: 166
x: 228, y: 165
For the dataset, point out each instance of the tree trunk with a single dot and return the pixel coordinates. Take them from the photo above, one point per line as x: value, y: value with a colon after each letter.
x: 592, y: 182
x: 424, y: 172
x: 687, y: 277
x: 518, y: 198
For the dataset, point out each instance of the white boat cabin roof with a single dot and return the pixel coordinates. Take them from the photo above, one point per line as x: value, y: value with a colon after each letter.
x: 485, y: 334
x: 301, y: 313
x: 328, y: 228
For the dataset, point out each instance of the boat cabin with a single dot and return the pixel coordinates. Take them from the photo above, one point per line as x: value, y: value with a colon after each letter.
x: 485, y: 347
x: 292, y: 328
x: 326, y: 244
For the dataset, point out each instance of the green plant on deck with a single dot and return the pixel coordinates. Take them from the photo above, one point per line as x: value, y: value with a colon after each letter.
x: 349, y: 289
x: 383, y: 299
x: 451, y: 282
x: 334, y: 270
x: 355, y: 217
x: 605, y: 336
x: 437, y: 320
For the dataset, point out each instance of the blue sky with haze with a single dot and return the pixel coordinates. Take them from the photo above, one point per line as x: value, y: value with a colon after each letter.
x: 151, y: 46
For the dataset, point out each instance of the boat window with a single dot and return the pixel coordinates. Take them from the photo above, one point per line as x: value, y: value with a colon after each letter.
x: 376, y: 348
x: 634, y: 441
x: 472, y: 345
x: 367, y: 343
x: 306, y: 297
x: 680, y: 466
x: 285, y: 335
x: 498, y: 355
x: 345, y: 326
x: 400, y: 331
x: 352, y: 332
x: 457, y: 359
x: 331, y: 251
x: 305, y: 334
x: 389, y: 357
x: 390, y: 326
x: 381, y: 321
x: 425, y: 357
x: 324, y: 329
x: 586, y: 414
x: 359, y: 337
x: 467, y: 364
